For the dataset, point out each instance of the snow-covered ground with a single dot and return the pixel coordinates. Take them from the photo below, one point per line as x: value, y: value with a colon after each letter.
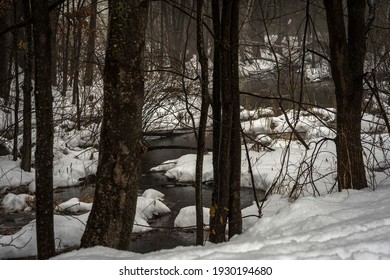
x: 347, y: 225
x: 69, y: 227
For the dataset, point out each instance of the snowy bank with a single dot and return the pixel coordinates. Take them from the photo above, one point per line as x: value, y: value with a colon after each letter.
x: 68, y: 229
x: 347, y: 225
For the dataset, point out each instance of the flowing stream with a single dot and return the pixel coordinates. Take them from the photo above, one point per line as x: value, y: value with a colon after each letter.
x: 177, y: 196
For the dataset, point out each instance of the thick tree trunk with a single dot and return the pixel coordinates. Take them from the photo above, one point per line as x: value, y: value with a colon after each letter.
x: 44, y: 125
x: 347, y: 61
x: 121, y: 150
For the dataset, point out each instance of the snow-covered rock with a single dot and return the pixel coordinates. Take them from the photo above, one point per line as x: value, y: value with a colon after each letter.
x: 17, y: 202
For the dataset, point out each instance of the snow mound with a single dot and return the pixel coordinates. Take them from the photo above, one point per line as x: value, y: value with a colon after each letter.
x: 183, y: 169
x: 73, y: 205
x: 152, y: 194
x: 187, y: 217
x: 11, y: 175
x: 17, y: 202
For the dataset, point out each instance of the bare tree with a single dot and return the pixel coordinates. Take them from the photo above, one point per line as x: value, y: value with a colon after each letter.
x: 347, y: 51
x: 44, y: 126
x: 201, y: 141
x: 90, y: 59
x: 121, y: 150
x: 5, y: 50
x: 225, y: 109
x: 27, y: 89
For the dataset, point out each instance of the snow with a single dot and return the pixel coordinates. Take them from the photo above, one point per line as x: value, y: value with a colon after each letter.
x: 68, y: 229
x: 11, y: 175
x: 17, y: 201
x: 73, y: 205
x: 346, y: 225
x: 265, y: 165
x: 187, y: 217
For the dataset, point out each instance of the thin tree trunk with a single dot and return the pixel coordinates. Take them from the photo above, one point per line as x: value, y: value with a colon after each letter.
x: 75, y: 61
x: 201, y: 144
x: 54, y: 15
x: 27, y: 89
x: 5, y: 57
x: 76, y: 80
x: 235, y: 218
x: 65, y: 63
x: 44, y: 115
x: 90, y: 60
x: 216, y: 98
x: 17, y: 90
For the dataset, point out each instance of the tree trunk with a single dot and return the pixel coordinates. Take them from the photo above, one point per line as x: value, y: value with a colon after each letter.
x: 44, y: 125
x: 219, y: 209
x: 347, y: 61
x: 27, y: 89
x: 76, y: 79
x: 216, y: 95
x: 17, y: 90
x: 235, y: 218
x: 201, y: 144
x: 121, y: 150
x: 75, y: 61
x: 90, y: 60
x: 65, y: 61
x: 5, y: 56
x: 54, y: 15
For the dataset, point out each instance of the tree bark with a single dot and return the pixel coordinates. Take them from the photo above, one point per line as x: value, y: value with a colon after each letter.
x: 216, y: 93
x: 235, y: 218
x: 90, y: 60
x: 347, y: 61
x: 121, y: 150
x: 17, y: 89
x: 27, y: 89
x: 44, y: 125
x: 5, y: 54
x: 201, y: 144
x: 76, y: 79
x: 54, y: 15
x: 219, y: 209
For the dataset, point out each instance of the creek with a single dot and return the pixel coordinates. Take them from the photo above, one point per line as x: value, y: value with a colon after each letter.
x: 177, y: 196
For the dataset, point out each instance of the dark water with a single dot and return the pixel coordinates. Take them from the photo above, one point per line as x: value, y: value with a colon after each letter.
x: 177, y: 196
